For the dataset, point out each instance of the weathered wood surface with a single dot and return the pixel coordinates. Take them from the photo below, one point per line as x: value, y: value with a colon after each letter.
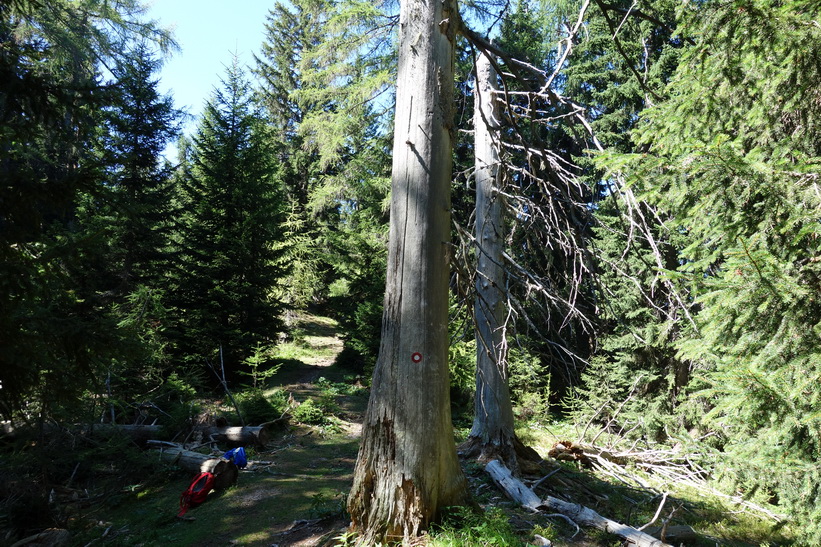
x: 140, y: 434
x: 225, y: 472
x: 492, y: 435
x: 237, y: 436
x: 584, y: 516
x: 407, y: 471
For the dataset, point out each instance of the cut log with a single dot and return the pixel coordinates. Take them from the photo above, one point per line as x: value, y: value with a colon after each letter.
x: 237, y: 436
x: 140, y: 434
x: 225, y: 472
x: 518, y: 492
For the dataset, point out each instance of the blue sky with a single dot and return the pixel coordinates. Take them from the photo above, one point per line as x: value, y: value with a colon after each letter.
x: 208, y: 32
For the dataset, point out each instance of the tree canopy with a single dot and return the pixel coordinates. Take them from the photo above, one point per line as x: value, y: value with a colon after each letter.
x: 654, y: 190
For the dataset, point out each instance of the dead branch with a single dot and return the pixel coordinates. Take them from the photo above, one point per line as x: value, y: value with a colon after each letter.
x: 584, y: 516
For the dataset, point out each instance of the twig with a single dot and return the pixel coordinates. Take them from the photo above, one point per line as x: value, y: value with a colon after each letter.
x: 658, y: 512
x: 540, y: 481
x: 568, y: 519
x: 224, y: 382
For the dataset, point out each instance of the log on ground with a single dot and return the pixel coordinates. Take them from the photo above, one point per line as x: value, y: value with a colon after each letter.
x: 225, y: 472
x: 140, y: 434
x: 237, y: 436
x: 518, y: 492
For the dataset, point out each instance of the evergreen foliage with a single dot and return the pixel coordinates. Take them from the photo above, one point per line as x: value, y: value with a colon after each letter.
x: 141, y: 198
x: 232, y: 241
x: 335, y: 157
x: 634, y: 371
x: 58, y: 329
x: 733, y: 155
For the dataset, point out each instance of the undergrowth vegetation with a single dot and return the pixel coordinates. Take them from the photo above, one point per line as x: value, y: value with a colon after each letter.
x: 108, y: 491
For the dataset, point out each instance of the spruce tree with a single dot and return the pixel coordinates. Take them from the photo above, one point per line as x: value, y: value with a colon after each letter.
x: 634, y: 370
x: 56, y: 325
x: 132, y: 216
x: 290, y: 32
x: 548, y: 229
x: 138, y: 129
x: 232, y: 245
x: 733, y: 154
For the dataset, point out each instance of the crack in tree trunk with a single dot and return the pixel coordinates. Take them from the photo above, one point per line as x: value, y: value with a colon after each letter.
x: 407, y: 470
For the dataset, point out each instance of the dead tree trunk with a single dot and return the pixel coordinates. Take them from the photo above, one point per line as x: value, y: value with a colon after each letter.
x: 585, y: 516
x: 237, y: 436
x: 493, y: 434
x: 225, y: 472
x: 407, y: 471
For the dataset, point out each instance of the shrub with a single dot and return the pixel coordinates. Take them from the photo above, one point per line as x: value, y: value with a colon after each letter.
x: 309, y: 412
x: 257, y: 407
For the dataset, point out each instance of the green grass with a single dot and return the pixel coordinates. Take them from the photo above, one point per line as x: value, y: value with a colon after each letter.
x: 310, y: 471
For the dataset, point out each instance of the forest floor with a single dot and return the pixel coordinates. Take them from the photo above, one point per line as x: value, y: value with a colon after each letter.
x: 293, y: 492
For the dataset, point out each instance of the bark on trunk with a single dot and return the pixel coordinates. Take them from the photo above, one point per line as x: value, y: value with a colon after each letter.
x: 237, y: 436
x: 225, y: 472
x: 407, y: 470
x: 584, y: 516
x: 492, y: 435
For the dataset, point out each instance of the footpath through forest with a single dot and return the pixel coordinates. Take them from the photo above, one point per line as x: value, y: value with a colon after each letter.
x: 294, y: 488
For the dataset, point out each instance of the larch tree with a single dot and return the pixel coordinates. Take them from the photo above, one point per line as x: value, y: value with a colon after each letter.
x: 407, y: 470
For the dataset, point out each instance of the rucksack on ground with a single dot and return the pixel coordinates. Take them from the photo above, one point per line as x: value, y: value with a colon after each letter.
x: 237, y: 455
x: 197, y: 492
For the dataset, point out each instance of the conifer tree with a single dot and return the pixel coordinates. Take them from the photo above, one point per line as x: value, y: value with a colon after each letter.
x: 291, y: 31
x: 232, y: 235
x: 337, y: 186
x: 733, y: 154
x: 407, y: 471
x: 634, y: 370
x: 138, y: 127
x: 132, y: 215
x: 56, y: 327
x: 549, y: 213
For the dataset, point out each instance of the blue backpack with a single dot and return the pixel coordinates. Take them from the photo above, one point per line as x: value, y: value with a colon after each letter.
x: 237, y: 455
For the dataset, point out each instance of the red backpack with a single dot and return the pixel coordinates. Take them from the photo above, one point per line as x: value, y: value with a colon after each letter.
x: 197, y: 492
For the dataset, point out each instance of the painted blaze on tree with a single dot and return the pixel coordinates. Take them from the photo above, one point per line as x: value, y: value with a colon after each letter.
x: 407, y: 470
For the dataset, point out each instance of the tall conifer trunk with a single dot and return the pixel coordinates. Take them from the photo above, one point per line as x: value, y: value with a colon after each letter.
x: 492, y: 433
x: 407, y: 470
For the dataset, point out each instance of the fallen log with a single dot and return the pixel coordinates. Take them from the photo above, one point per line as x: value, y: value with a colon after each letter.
x: 140, y: 434
x: 225, y: 472
x: 52, y: 537
x: 674, y: 534
x: 237, y: 436
x: 518, y: 492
